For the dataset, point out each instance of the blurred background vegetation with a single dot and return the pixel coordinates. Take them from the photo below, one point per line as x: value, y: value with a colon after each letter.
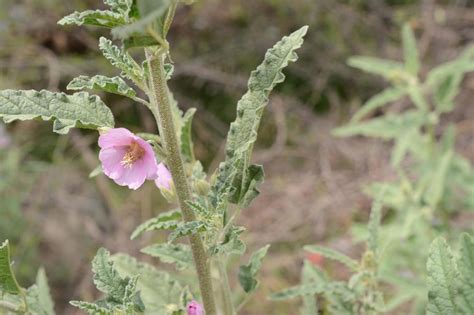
x: 56, y: 217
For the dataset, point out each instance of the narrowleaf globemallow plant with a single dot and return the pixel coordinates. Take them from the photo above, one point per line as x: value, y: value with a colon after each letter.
x: 207, y: 208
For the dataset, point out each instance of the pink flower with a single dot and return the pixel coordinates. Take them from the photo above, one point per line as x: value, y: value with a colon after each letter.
x: 164, y: 179
x: 127, y: 159
x: 194, y: 308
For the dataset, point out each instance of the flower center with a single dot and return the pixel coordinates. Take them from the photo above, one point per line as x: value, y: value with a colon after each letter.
x: 134, y: 153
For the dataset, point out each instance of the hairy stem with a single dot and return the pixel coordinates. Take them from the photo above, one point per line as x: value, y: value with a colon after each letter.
x: 226, y: 291
x: 160, y: 98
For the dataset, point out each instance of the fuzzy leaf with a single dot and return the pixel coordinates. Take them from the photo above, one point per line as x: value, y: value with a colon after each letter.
x: 410, y: 52
x: 8, y: 282
x: 161, y: 293
x: 106, y: 278
x: 466, y: 270
x: 151, y: 11
x: 300, y: 290
x: 67, y: 111
x: 120, y: 6
x: 446, y: 91
x: 248, y: 273
x: 187, y: 228
x: 97, y: 18
x: 386, y: 96
x: 91, y: 308
x: 254, y: 176
x: 122, y: 60
x: 120, y: 292
x: 178, y: 254
x: 374, y: 223
x: 443, y: 279
x: 232, y: 244
x: 334, y: 255
x: 402, y: 145
x: 310, y: 274
x: 186, y: 142
x: 383, y: 67
x: 102, y: 83
x: 437, y: 186
x: 164, y: 221
x: 233, y: 172
x: 43, y: 300
x: 387, y: 127
x: 464, y: 63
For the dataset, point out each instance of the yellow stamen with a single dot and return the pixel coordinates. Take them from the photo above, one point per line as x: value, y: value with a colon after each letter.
x: 134, y: 153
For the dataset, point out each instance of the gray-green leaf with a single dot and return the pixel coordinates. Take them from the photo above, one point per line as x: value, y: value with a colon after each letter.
x: 334, y: 255
x: 122, y: 60
x: 164, y: 221
x: 97, y: 18
x: 243, y: 131
x: 187, y: 228
x: 248, y: 273
x: 443, y: 279
x: 410, y: 52
x: 67, y: 111
x: 102, y: 83
x: 178, y: 254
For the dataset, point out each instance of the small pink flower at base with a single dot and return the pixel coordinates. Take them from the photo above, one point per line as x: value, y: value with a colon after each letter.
x: 194, y: 308
x: 126, y: 158
x: 164, y: 179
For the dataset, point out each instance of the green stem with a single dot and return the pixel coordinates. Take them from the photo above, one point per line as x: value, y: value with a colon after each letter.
x: 226, y: 291
x: 160, y: 98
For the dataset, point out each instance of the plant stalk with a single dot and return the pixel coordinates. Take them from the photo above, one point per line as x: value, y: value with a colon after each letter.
x: 226, y: 291
x: 160, y: 99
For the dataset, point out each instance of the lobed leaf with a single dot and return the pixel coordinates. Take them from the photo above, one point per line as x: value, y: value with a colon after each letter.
x: 91, y: 308
x: 161, y: 293
x: 466, y: 269
x: 67, y: 111
x: 106, y: 278
x: 94, y: 17
x: 122, y: 60
x: 247, y: 273
x: 121, y: 6
x: 102, y: 83
x: 334, y: 255
x: 234, y: 176
x: 187, y: 228
x: 443, y: 278
x: 178, y: 254
x: 164, y: 221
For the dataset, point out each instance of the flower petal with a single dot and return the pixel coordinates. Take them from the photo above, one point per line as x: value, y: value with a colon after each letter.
x: 164, y: 179
x: 116, y: 137
x: 111, y: 159
x: 149, y: 158
x: 133, y: 176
